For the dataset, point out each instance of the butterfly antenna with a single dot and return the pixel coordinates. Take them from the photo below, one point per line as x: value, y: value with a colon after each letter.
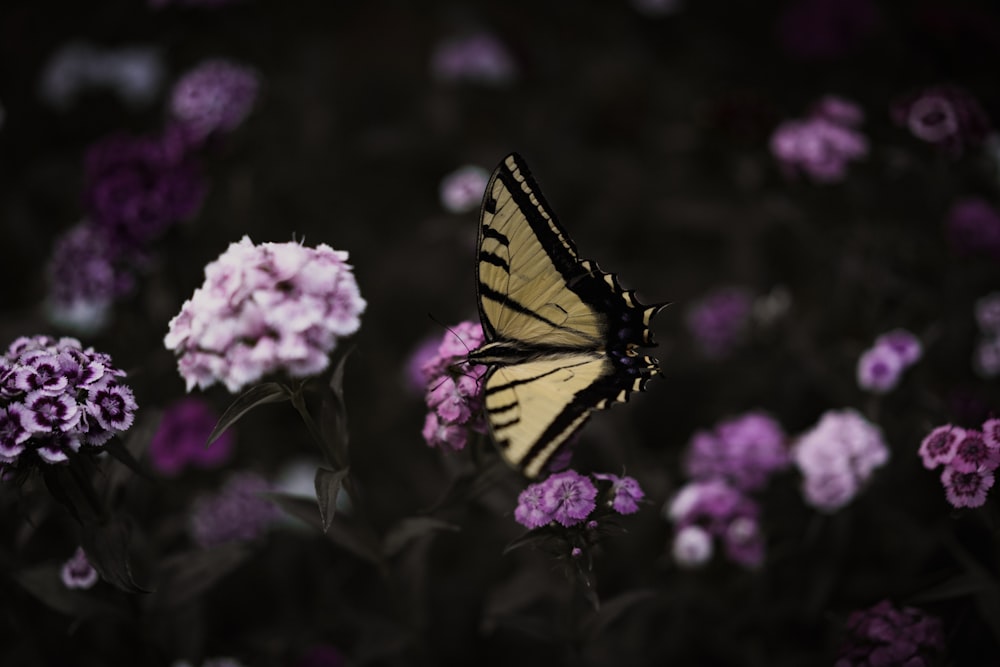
x: 449, y: 330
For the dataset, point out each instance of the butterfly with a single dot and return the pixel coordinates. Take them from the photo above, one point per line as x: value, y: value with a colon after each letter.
x: 561, y: 336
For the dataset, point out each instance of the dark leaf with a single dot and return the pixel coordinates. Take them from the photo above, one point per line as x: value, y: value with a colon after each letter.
x: 267, y: 392
x: 469, y: 486
x: 139, y: 437
x: 610, y: 611
x: 333, y: 417
x: 328, y: 484
x: 303, y: 509
x: 187, y: 575
x: 74, y: 490
x: 410, y: 529
x: 356, y: 540
x: 107, y: 547
x: 530, y: 538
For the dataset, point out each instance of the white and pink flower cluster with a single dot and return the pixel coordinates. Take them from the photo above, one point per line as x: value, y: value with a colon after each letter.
x: 881, y: 366
x: 56, y: 397
x: 970, y: 458
x: 273, y: 307
x: 744, y: 451
x: 822, y: 144
x: 454, y: 389
x: 837, y: 457
x: 569, y: 498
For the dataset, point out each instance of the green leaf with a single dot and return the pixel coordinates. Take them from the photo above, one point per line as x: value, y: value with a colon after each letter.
x: 106, y: 545
x: 412, y: 528
x: 185, y: 576
x: 328, y: 484
x: 267, y: 392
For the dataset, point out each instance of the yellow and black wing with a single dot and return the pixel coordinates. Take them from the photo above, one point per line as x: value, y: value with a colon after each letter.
x: 561, y: 335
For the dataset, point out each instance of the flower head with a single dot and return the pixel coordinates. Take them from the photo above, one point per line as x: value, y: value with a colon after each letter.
x: 946, y: 116
x: 744, y: 450
x: 971, y: 454
x: 625, y: 493
x: 530, y: 512
x: 215, y: 96
x: 939, y: 446
x: 478, y: 58
x: 837, y: 457
x: 568, y: 497
x: 454, y: 389
x: 237, y: 513
x: 885, y: 635
x: 180, y: 440
x: 879, y: 369
x: 716, y: 510
x: 692, y: 546
x: 462, y: 190
x: 263, y: 309
x: 973, y: 227
x: 56, y: 397
x: 966, y: 489
x: 77, y: 572
x: 719, y: 321
x: 988, y: 313
x: 819, y: 147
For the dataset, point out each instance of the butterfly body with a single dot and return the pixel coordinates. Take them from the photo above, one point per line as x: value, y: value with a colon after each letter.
x: 562, y: 336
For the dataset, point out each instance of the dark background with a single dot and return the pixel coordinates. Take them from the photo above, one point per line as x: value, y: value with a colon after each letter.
x: 649, y: 136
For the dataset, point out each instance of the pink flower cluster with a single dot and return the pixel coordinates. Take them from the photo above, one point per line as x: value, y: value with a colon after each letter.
x: 837, y: 457
x: 885, y: 635
x: 822, y: 144
x: 55, y: 397
x: 881, y: 365
x: 744, y: 451
x: 454, y: 389
x: 969, y: 458
x: 568, y: 498
x: 273, y: 307
x: 216, y: 96
x: 703, y: 511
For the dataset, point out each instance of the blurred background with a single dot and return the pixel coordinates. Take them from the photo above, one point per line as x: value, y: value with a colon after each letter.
x: 650, y: 125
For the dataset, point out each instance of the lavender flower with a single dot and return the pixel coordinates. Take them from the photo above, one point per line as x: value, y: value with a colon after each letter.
x: 479, y: 58
x: 988, y: 313
x: 973, y: 227
x: 568, y: 497
x: 264, y: 309
x: 462, y: 190
x: 884, y: 635
x: 826, y: 29
x: 719, y: 321
x: 720, y: 511
x: 237, y: 513
x: 56, y: 397
x: 744, y: 542
x: 881, y: 366
x: 77, y: 572
x: 744, y: 450
x: 692, y: 546
x: 136, y: 187
x: 971, y: 454
x: 216, y: 96
x: 625, y: 493
x: 939, y: 446
x: 180, y: 440
x: 837, y: 457
x: 966, y: 489
x: 991, y: 433
x: 818, y: 146
x: 946, y: 116
x: 454, y: 389
x: 530, y: 511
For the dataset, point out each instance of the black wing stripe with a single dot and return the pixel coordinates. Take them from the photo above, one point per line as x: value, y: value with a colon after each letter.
x: 502, y: 408
x: 514, y: 383
x: 490, y: 233
x: 495, y: 260
x: 487, y: 292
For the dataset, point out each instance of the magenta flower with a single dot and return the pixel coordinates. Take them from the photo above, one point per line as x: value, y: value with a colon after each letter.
x: 973, y: 227
x: 77, y: 572
x: 966, y: 489
x: 530, y: 511
x: 454, y: 389
x: 938, y: 447
x: 884, y: 635
x: 818, y: 147
x: 879, y: 369
x: 180, y: 440
x: 906, y: 346
x: 239, y: 512
x: 719, y: 511
x: 214, y: 97
x: 625, y: 493
x: 462, y: 190
x: 991, y: 433
x: 972, y: 454
x: 268, y: 308
x: 837, y: 457
x: 568, y: 497
x: 719, y: 321
x: 478, y: 58
x: 744, y: 450
x: 946, y: 116
x: 56, y: 397
x: 744, y: 542
x: 692, y: 546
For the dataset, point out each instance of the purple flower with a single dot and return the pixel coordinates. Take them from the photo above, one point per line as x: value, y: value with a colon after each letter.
x: 417, y: 375
x: 274, y: 307
x: 692, y: 546
x: 988, y: 313
x: 939, y: 446
x: 439, y: 433
x: 744, y: 542
x: 906, y: 346
x: 462, y: 190
x: 966, y: 489
x: 77, y: 572
x: 972, y: 454
x: 625, y: 493
x: 826, y: 29
x: 837, y: 457
x: 838, y: 110
x: 973, y: 227
x: 884, y: 635
x: 991, y: 433
x: 879, y: 369
x: 56, y: 396
x: 136, y: 187
x: 454, y: 389
x: 717, y: 510
x: 180, y: 440
x: 818, y: 147
x: 744, y: 450
x: 568, y: 497
x: 479, y: 58
x: 945, y: 116
x: 215, y: 96
x: 530, y: 511
x: 719, y: 321
x: 237, y: 513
